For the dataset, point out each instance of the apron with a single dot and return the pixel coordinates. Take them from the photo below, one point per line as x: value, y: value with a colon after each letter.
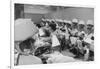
x: 73, y: 40
x: 55, y: 41
x: 41, y: 32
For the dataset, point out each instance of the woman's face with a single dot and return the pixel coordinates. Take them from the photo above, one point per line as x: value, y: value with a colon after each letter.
x: 81, y: 27
x: 69, y: 25
x: 74, y: 25
x: 89, y: 28
x: 27, y: 51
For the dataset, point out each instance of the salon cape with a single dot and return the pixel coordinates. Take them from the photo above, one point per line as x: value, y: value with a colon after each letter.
x: 28, y: 60
x: 59, y: 58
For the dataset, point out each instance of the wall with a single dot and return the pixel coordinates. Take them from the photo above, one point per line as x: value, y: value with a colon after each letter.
x: 35, y: 17
x: 19, y: 11
x: 38, y: 12
x: 35, y: 12
x: 70, y: 13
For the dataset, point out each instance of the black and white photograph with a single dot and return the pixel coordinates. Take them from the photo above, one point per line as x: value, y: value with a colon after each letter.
x: 50, y: 34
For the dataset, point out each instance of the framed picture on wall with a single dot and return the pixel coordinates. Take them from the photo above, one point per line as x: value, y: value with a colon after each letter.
x: 51, y: 34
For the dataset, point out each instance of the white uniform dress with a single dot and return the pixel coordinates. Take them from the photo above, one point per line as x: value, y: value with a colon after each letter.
x: 39, y: 42
x: 73, y: 39
x: 67, y: 33
x: 90, y: 41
